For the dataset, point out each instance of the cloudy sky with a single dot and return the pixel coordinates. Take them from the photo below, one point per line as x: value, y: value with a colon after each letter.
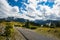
x: 30, y: 9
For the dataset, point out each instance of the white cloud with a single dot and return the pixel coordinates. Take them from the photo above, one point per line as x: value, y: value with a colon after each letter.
x: 57, y: 1
x: 6, y: 10
x: 44, y: 12
x: 15, y: 9
x: 42, y: 0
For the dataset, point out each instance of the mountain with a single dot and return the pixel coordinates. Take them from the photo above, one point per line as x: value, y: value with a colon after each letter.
x: 41, y: 22
x: 13, y: 19
x: 47, y: 21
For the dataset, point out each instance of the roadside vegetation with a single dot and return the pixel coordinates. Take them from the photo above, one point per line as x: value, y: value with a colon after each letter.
x: 8, y: 32
x: 49, y: 30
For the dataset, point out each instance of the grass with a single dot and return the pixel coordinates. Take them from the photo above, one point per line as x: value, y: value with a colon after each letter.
x: 2, y: 38
x: 51, y: 32
x: 15, y: 35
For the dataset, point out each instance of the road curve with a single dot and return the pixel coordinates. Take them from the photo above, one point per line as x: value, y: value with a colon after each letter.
x: 30, y: 35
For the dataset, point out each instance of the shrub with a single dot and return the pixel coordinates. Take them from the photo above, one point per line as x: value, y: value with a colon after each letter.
x: 33, y: 27
x: 8, y: 30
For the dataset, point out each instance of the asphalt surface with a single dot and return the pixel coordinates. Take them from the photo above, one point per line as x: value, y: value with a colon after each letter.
x: 31, y: 35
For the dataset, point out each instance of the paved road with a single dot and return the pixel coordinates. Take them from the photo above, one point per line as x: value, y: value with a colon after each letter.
x: 30, y: 35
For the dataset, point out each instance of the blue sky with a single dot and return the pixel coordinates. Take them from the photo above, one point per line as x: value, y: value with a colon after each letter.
x: 50, y: 4
x: 30, y: 9
x: 20, y: 4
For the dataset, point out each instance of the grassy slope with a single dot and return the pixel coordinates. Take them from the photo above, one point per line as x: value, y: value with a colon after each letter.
x: 15, y: 35
x: 51, y: 32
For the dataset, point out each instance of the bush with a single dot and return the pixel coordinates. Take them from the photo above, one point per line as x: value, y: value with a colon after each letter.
x: 8, y: 30
x: 33, y: 27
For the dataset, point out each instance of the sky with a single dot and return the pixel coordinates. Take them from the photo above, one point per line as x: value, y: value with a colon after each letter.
x: 30, y: 9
